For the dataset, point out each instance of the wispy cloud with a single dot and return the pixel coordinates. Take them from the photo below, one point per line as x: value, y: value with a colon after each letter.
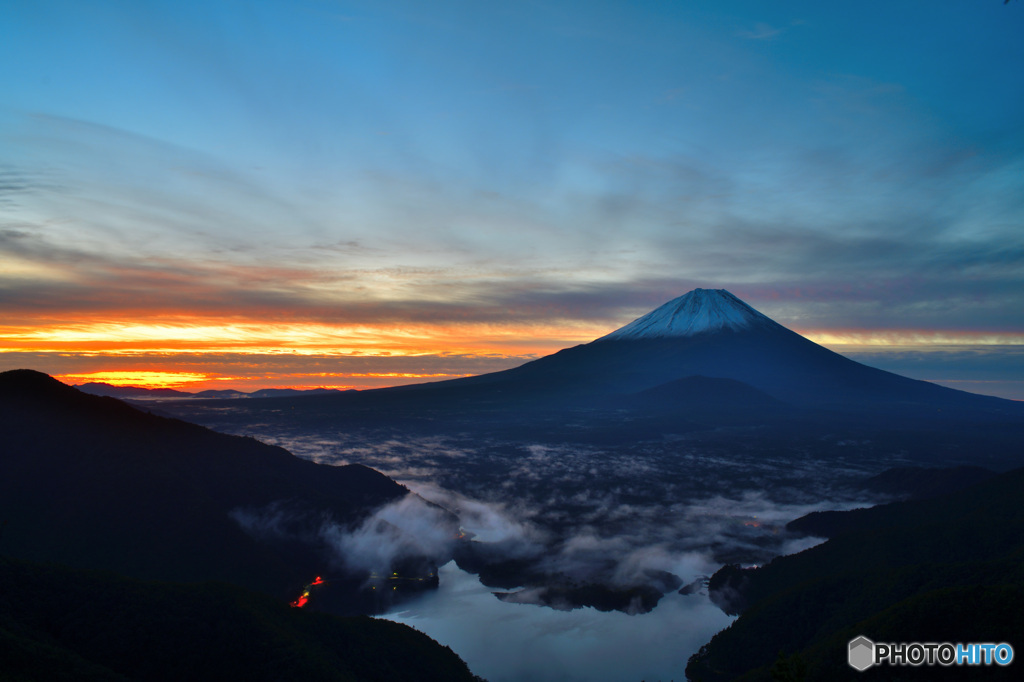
x: 761, y: 31
x: 113, y: 244
x: 243, y: 182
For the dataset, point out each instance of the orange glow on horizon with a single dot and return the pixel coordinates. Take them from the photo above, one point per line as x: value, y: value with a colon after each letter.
x: 909, y: 338
x: 194, y: 353
x: 185, y: 334
x: 141, y: 379
x: 187, y: 353
x: 292, y: 338
x: 192, y: 382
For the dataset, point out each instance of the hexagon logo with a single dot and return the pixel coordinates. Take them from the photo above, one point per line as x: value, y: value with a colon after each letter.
x: 861, y: 653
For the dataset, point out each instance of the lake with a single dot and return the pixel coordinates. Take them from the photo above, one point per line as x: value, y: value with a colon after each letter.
x: 505, y: 642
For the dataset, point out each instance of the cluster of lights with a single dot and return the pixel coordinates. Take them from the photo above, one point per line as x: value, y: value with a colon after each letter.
x: 304, y: 597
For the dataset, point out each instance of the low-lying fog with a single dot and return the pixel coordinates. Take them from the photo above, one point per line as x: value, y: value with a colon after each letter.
x: 601, y: 514
x: 639, y: 506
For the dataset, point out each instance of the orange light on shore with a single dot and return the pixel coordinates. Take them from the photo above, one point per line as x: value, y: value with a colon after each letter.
x: 304, y: 597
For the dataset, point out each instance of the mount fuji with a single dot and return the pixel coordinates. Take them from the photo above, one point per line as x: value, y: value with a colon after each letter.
x: 710, y: 337
x: 700, y: 311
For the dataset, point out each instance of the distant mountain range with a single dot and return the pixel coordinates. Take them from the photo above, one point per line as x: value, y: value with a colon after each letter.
x: 103, y: 389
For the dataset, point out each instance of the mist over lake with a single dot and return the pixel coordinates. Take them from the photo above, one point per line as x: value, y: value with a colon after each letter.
x: 508, y: 642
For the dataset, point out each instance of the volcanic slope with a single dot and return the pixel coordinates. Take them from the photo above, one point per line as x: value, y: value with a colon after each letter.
x: 709, y: 333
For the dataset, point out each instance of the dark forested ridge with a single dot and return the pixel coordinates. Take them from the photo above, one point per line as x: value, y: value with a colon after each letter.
x: 58, y: 623
x: 89, y: 482
x: 92, y: 482
x: 947, y: 569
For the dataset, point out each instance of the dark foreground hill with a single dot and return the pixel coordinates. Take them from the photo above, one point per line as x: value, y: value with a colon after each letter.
x: 58, y: 623
x: 948, y: 569
x: 94, y: 483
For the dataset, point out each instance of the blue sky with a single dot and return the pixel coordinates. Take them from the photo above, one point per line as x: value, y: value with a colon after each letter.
x: 499, y: 169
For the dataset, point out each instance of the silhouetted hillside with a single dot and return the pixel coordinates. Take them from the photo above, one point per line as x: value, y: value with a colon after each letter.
x: 63, y: 624
x: 919, y: 483
x: 92, y: 482
x: 915, y: 483
x: 948, y: 569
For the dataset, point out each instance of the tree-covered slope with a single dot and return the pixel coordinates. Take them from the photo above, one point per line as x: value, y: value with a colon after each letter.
x: 58, y: 624
x: 901, y: 572
x: 92, y: 482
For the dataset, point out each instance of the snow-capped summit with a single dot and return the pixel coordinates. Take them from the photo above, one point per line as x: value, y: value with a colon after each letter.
x: 701, y: 310
x: 689, y: 350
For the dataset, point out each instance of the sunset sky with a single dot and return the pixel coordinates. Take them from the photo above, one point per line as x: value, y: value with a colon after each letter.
x: 354, y: 194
